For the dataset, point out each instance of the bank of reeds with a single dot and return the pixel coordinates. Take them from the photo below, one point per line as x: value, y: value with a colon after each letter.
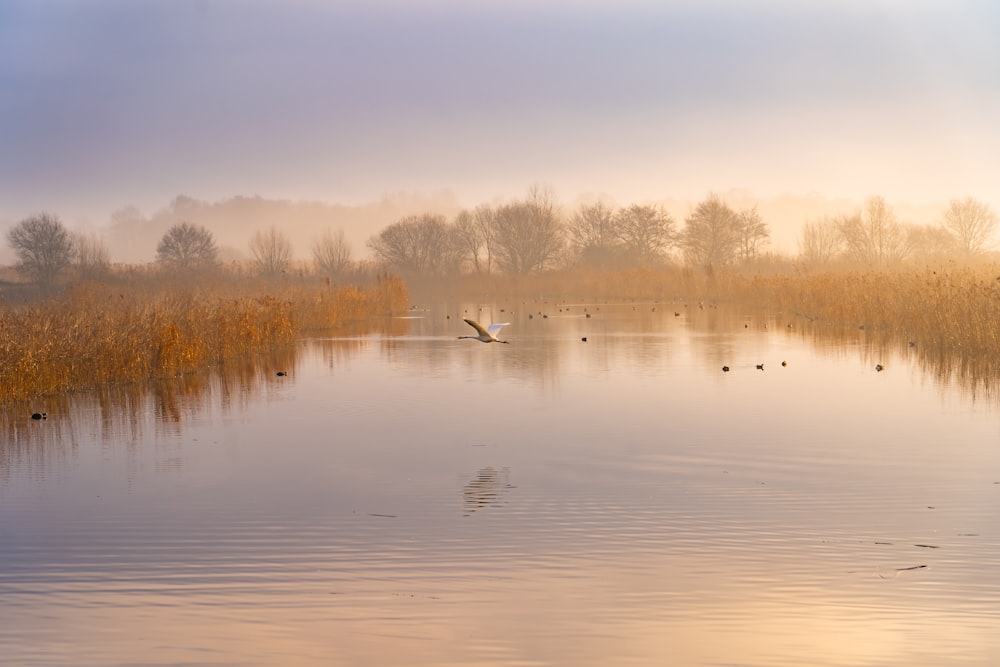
x: 97, y: 334
x: 949, y: 307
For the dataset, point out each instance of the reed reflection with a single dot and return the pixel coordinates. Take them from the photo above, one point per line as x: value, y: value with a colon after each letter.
x: 975, y: 375
x: 122, y: 415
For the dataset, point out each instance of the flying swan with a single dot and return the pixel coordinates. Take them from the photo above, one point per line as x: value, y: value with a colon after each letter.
x: 488, y: 335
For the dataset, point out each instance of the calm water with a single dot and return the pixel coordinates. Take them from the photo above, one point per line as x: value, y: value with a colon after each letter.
x: 412, y: 499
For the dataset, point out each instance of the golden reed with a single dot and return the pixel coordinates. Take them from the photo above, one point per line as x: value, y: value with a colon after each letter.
x: 99, y: 334
x: 951, y: 307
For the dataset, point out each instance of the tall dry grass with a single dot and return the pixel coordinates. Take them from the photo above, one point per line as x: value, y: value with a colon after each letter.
x: 950, y: 307
x: 98, y: 334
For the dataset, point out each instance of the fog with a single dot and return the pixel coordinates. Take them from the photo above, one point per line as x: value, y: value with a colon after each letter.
x: 806, y: 110
x: 131, y: 234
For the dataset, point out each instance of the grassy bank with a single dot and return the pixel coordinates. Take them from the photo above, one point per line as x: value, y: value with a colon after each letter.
x: 98, y: 334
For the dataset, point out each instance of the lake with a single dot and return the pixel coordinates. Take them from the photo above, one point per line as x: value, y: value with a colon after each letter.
x: 407, y: 498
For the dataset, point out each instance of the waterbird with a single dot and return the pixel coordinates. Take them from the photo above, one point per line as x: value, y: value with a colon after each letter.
x: 760, y: 367
x: 488, y: 335
x: 879, y: 368
x: 725, y: 369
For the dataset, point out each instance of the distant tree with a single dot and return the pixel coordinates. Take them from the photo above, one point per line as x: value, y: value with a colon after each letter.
x: 272, y: 252
x: 419, y: 244
x: 187, y: 246
x: 710, y: 236
x: 127, y: 216
x: 92, y: 257
x: 752, y: 233
x: 972, y: 222
x: 528, y: 234
x: 931, y: 243
x: 873, y: 237
x: 43, y: 247
x: 474, y: 232
x: 645, y: 233
x: 332, y: 253
x: 821, y: 242
x: 593, y: 235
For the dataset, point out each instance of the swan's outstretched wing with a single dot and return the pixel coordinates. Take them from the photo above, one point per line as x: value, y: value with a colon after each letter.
x: 478, y: 327
x: 495, y: 328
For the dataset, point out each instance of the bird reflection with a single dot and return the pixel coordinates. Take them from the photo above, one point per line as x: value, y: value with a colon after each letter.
x: 486, y: 488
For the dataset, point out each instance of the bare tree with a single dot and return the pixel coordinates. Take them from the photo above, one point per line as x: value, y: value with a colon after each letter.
x: 645, y: 233
x: 752, y: 233
x: 92, y: 256
x: 187, y: 246
x: 972, y: 222
x: 593, y: 235
x: 419, y: 244
x: 528, y: 234
x: 710, y: 235
x: 332, y: 253
x: 272, y: 251
x: 474, y: 232
x: 931, y: 243
x: 43, y: 247
x: 873, y: 237
x: 821, y: 242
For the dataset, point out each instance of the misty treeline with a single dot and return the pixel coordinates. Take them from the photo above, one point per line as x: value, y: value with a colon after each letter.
x: 532, y: 235
x: 529, y: 235
x: 242, y: 236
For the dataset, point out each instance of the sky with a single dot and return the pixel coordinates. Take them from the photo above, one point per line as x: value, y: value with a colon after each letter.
x: 107, y: 103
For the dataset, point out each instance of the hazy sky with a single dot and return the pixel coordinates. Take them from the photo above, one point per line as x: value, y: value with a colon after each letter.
x: 111, y: 102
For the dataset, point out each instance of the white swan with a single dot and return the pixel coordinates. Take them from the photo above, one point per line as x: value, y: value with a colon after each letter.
x: 488, y: 335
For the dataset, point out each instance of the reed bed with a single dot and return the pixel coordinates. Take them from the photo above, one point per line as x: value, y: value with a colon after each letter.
x: 95, y: 334
x: 953, y: 309
x: 949, y: 308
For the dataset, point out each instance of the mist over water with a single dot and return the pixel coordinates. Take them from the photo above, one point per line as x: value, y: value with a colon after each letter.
x: 411, y: 498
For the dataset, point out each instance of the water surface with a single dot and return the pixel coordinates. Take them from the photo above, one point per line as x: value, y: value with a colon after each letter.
x: 414, y: 499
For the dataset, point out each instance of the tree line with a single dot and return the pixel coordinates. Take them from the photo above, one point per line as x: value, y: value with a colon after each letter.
x: 874, y: 237
x: 45, y: 249
x: 531, y: 235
